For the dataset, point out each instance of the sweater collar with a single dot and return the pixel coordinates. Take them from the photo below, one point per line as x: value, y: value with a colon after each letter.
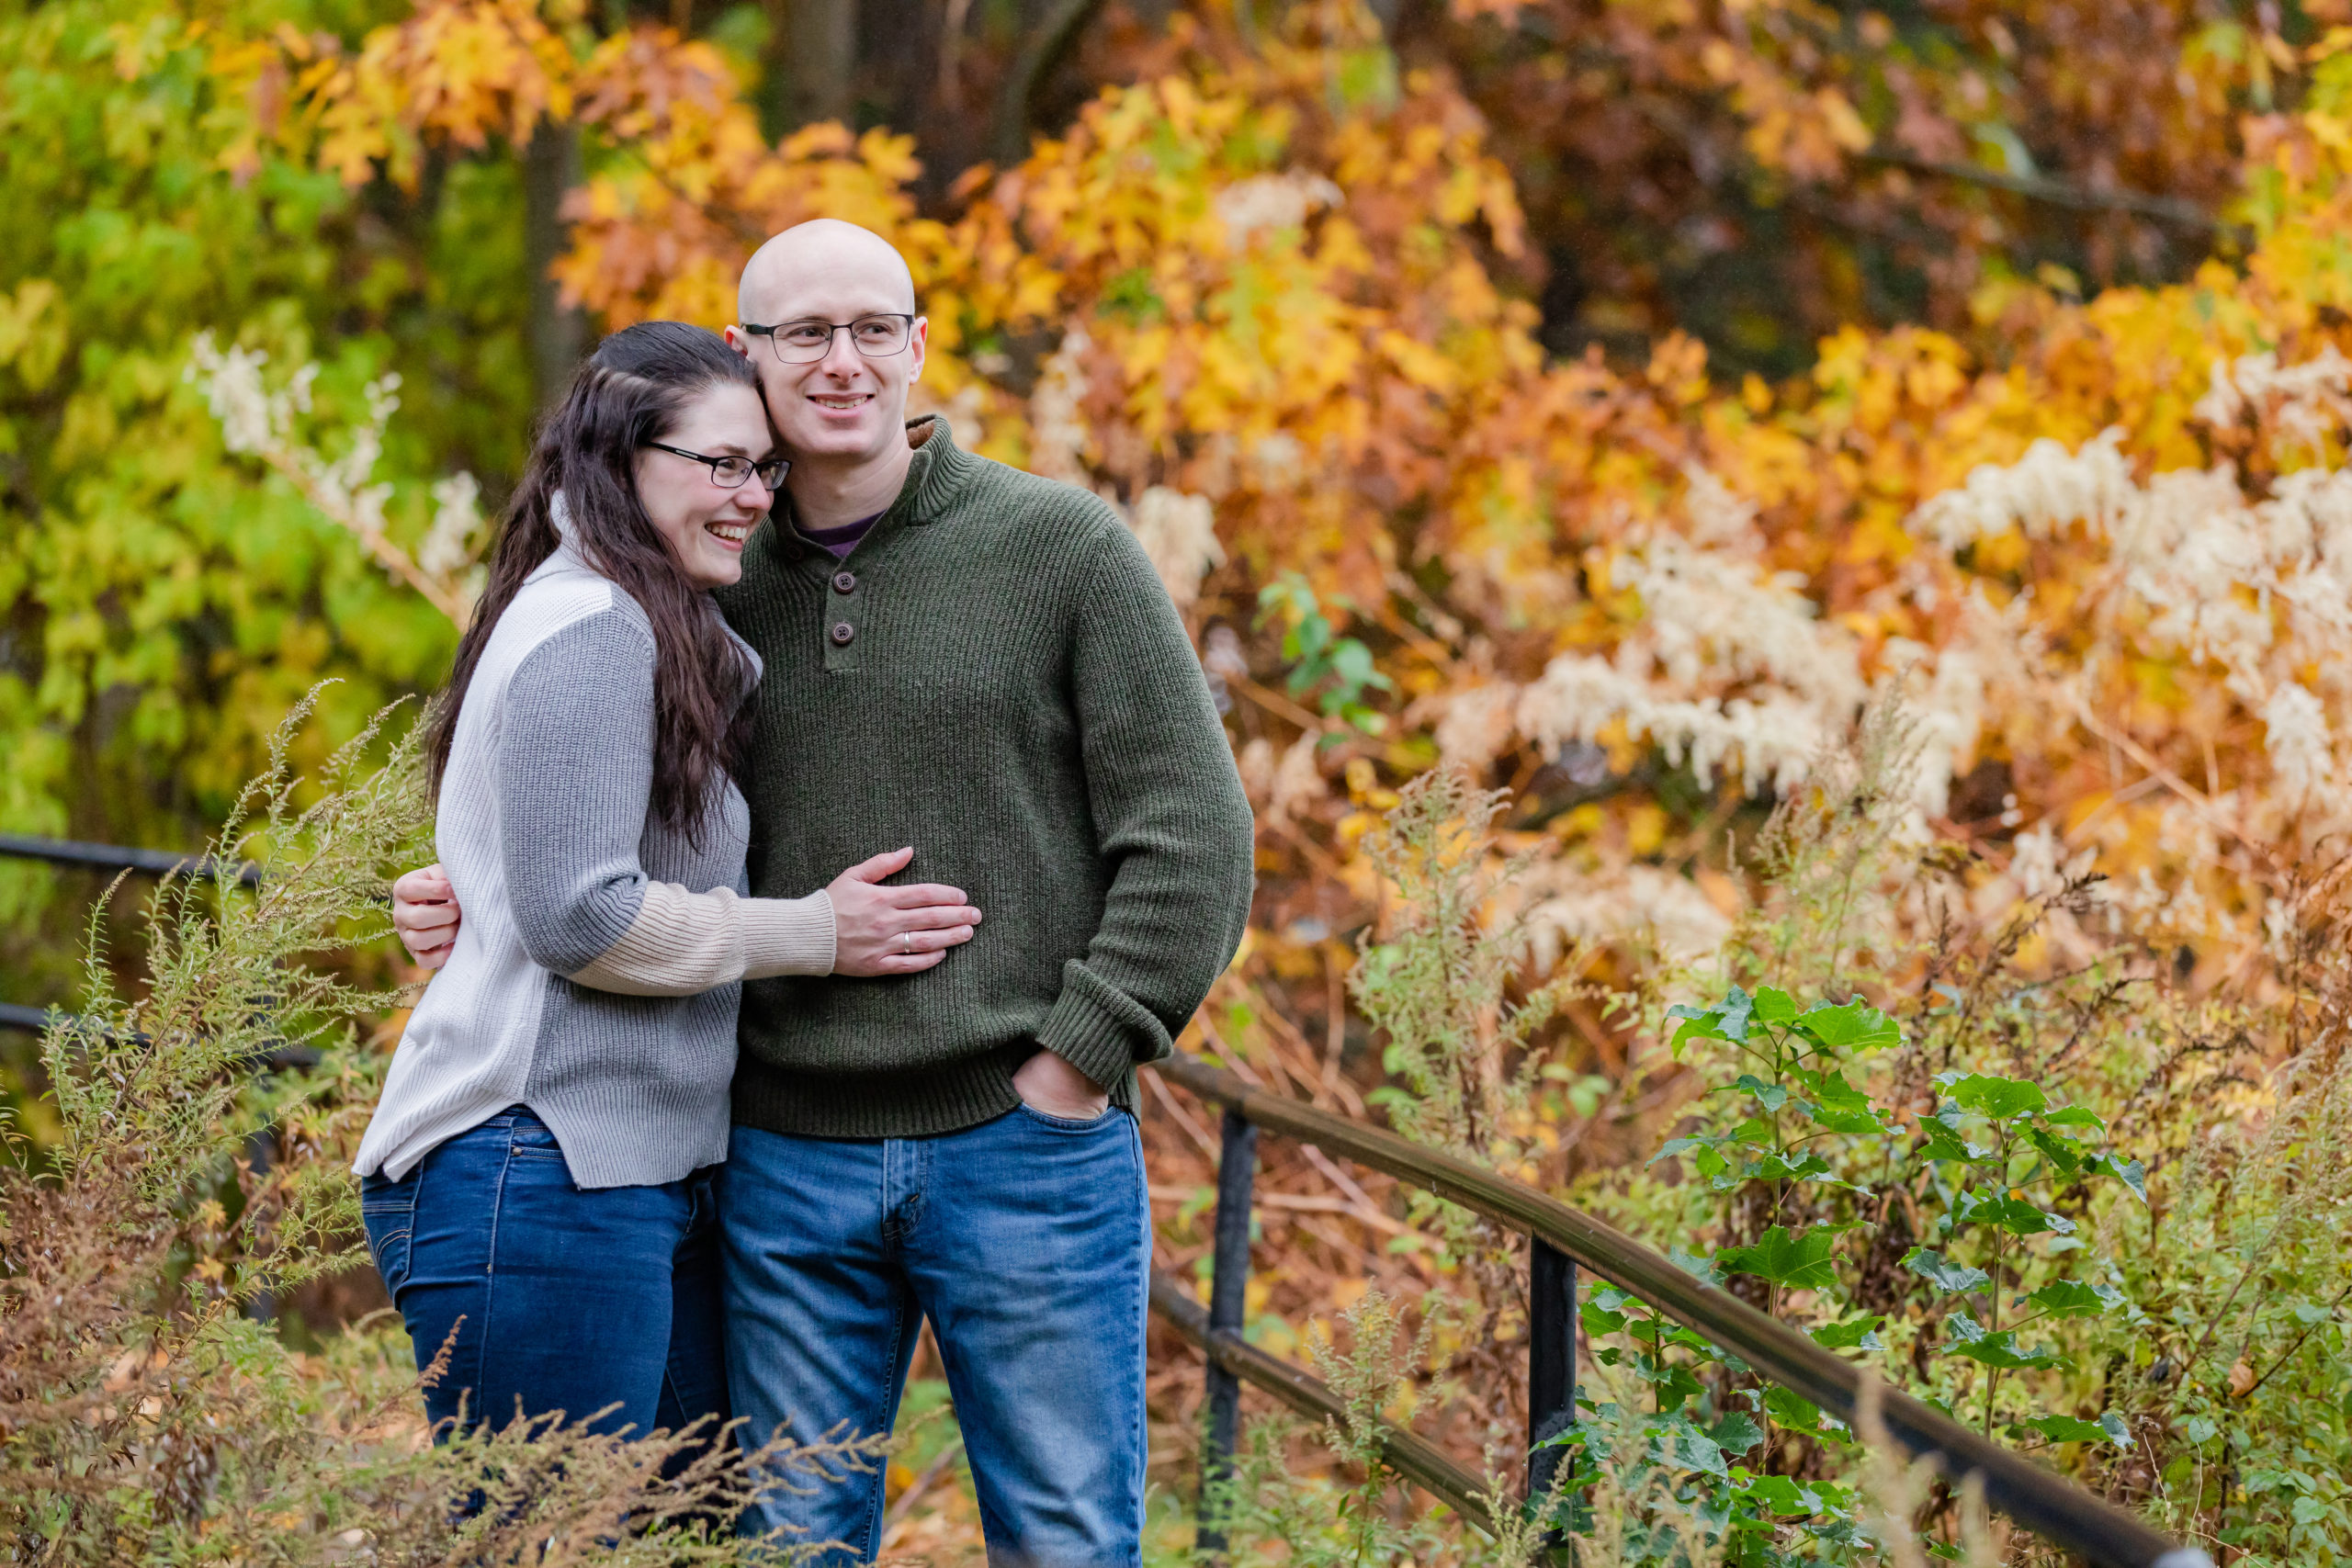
x: 938, y: 471
x: 567, y: 553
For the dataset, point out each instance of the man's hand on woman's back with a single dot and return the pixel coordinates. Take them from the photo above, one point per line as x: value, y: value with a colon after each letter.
x: 877, y: 929
x: 425, y: 912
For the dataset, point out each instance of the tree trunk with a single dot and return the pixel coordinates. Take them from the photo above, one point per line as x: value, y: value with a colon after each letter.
x: 824, y: 58
x: 550, y: 168
x: 1044, y: 50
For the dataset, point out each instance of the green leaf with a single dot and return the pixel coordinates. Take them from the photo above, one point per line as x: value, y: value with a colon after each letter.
x: 1855, y: 1027
x: 1706, y: 1155
x: 1675, y: 1386
x: 1737, y: 1432
x: 1698, y: 1267
x: 2117, y: 1431
x: 1678, y: 1443
x: 2012, y: 1215
x: 2076, y: 1116
x: 1943, y: 1273
x: 1839, y: 1105
x: 2201, y: 1429
x: 1770, y: 1096
x: 1778, y: 1167
x: 1860, y: 1333
x: 1773, y: 1006
x: 1971, y: 1340
x: 2069, y: 1429
x: 2001, y: 1099
x: 2131, y: 1173
x: 1938, y: 1142
x: 1800, y: 1415
x: 2064, y: 1154
x: 1781, y: 1494
x: 1727, y: 1019
x: 1801, y: 1262
x: 2071, y: 1298
x: 1599, y: 1319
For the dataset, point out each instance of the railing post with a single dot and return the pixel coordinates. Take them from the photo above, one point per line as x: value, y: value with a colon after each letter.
x: 1237, y: 1170
x: 261, y: 1153
x: 1551, y: 1364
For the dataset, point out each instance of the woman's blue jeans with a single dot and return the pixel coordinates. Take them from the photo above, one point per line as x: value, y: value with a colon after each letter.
x: 552, y: 1297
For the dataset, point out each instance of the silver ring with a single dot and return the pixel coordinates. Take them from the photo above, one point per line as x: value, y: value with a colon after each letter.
x: 906, y: 941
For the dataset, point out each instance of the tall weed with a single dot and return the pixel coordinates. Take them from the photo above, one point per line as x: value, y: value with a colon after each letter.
x: 146, y: 1417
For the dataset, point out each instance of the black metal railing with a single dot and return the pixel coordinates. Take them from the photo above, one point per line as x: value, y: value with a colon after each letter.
x: 1563, y: 1238
x: 118, y: 857
x: 262, y: 1147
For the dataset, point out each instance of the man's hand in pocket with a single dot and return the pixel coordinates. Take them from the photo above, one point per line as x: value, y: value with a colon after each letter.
x: 1046, y: 1082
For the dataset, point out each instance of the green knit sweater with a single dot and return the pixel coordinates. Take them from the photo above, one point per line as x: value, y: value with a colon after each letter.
x: 997, y: 677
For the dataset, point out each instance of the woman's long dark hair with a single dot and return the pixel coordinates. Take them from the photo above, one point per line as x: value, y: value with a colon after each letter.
x: 630, y: 391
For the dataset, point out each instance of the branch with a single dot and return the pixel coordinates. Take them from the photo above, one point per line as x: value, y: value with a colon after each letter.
x: 389, y: 556
x: 2287, y: 1355
x: 1008, y: 131
x: 2059, y: 193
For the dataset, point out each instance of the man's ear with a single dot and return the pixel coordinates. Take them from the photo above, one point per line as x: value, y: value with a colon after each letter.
x: 919, y: 344
x: 740, y: 340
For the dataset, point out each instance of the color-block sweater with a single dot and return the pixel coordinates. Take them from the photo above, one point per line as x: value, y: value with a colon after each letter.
x: 995, y: 676
x: 596, y: 971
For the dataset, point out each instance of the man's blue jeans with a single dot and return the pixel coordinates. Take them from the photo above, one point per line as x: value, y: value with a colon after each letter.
x: 1027, y: 1242
x: 572, y: 1299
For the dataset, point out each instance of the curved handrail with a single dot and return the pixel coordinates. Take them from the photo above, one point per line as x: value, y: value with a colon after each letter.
x: 2048, y: 1504
x: 118, y: 857
x: 1414, y: 1458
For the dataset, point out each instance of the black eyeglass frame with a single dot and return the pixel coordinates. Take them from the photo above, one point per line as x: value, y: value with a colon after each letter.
x: 907, y: 317
x: 782, y: 466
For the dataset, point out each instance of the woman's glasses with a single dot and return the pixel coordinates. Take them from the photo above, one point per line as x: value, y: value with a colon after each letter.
x: 805, y: 343
x: 729, y: 473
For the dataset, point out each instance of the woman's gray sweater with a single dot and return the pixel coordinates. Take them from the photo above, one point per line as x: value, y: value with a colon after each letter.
x: 597, y: 973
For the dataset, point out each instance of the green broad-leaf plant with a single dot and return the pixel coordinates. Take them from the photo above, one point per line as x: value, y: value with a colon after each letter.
x: 1932, y: 1246
x: 1811, y: 1153
x: 1991, y: 1213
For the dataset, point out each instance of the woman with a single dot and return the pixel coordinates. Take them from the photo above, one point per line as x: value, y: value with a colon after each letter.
x: 536, y: 1181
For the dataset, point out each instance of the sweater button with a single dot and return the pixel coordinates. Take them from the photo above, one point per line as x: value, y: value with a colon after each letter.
x: 842, y: 633
x: 845, y: 582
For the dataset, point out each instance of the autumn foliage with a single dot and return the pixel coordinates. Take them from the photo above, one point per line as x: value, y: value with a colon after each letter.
x: 1610, y: 401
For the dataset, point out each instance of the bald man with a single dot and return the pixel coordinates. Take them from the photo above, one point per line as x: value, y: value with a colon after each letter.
x: 981, y: 663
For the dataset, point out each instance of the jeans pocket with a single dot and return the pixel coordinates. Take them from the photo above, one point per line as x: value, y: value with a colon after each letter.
x: 388, y: 1211
x: 1071, y: 1124
x: 532, y: 1138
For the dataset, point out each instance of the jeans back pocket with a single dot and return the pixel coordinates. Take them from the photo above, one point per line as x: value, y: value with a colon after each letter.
x: 388, y: 1211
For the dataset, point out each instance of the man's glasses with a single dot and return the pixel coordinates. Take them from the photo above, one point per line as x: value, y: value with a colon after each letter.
x: 805, y: 343
x: 729, y: 473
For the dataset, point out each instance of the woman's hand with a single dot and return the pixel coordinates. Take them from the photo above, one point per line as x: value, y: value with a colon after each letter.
x: 425, y: 912
x: 894, y: 931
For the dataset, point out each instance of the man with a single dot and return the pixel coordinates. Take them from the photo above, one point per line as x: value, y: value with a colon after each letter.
x: 981, y: 663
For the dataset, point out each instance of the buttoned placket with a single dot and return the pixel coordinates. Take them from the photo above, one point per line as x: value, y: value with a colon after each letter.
x: 848, y: 586
x: 843, y: 618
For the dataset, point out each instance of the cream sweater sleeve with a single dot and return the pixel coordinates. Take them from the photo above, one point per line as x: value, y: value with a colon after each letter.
x: 683, y: 943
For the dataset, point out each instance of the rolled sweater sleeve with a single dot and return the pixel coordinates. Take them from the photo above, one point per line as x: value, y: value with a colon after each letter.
x: 1171, y: 820
x: 575, y: 779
